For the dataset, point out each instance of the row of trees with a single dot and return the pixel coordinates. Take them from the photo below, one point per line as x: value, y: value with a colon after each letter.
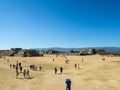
x: 103, y: 52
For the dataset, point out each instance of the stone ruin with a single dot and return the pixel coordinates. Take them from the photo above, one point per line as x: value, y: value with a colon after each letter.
x: 19, y: 52
x: 89, y: 51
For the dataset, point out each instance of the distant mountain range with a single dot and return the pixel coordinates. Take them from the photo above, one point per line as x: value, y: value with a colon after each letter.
x: 107, y: 49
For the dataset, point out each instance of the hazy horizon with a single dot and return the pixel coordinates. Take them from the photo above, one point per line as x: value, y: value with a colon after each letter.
x: 60, y: 47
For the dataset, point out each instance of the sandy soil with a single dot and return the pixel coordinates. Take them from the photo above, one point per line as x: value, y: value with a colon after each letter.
x: 94, y: 74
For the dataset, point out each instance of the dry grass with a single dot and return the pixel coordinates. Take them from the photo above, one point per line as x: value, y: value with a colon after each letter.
x: 94, y: 74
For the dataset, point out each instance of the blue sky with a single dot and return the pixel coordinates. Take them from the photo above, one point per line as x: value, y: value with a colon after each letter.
x: 59, y: 23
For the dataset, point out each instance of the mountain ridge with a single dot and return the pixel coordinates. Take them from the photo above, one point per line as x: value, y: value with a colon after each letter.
x: 107, y: 49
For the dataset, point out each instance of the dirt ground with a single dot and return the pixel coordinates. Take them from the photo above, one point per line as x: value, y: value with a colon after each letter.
x: 93, y: 74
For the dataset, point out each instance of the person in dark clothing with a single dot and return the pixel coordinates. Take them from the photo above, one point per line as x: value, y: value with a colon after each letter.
x: 13, y: 66
x: 40, y: 68
x: 68, y: 84
x: 21, y: 69
x: 55, y: 70
x: 53, y: 59
x: 16, y: 68
x: 75, y: 65
x: 27, y: 73
x: 10, y: 65
x: 24, y: 73
x: 19, y: 64
x: 17, y: 72
x: 61, y: 70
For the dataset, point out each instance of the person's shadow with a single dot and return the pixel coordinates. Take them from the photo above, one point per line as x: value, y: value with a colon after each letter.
x: 26, y: 78
x: 30, y: 78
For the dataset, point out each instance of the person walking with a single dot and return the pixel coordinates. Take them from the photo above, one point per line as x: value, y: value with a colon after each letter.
x: 21, y: 69
x: 17, y: 63
x: 75, y: 65
x: 13, y: 66
x: 17, y: 72
x: 78, y: 66
x: 40, y: 68
x: 53, y: 59
x: 10, y: 65
x: 24, y: 73
x: 55, y: 70
x: 27, y: 73
x: 68, y: 84
x: 61, y: 70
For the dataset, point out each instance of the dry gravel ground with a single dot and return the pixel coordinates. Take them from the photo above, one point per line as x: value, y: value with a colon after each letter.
x: 94, y: 74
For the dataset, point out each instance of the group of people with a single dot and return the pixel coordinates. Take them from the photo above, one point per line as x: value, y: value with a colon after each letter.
x: 19, y: 69
x: 61, y: 70
x: 35, y: 68
x: 26, y: 74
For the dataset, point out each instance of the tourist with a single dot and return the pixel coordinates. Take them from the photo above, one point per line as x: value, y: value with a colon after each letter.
x: 55, y: 70
x: 13, y: 66
x: 53, y: 59
x: 16, y: 68
x: 75, y: 65
x: 27, y: 73
x: 16, y: 64
x: 68, y: 84
x: 40, y: 68
x: 17, y: 73
x: 78, y: 66
x: 61, y: 70
x: 24, y: 73
x: 19, y: 64
x: 21, y: 69
x: 10, y: 65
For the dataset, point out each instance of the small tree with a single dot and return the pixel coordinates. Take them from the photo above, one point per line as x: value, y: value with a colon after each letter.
x: 71, y: 51
x: 101, y: 52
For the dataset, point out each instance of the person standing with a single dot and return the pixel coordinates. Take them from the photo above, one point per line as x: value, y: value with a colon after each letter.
x: 16, y: 68
x: 17, y: 72
x: 40, y: 68
x: 53, y: 59
x: 68, y: 84
x: 78, y: 66
x: 27, y: 73
x: 61, y: 70
x: 55, y: 70
x: 21, y: 69
x: 24, y: 73
x: 75, y: 65
x: 13, y: 66
x: 10, y: 65
x: 17, y: 65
